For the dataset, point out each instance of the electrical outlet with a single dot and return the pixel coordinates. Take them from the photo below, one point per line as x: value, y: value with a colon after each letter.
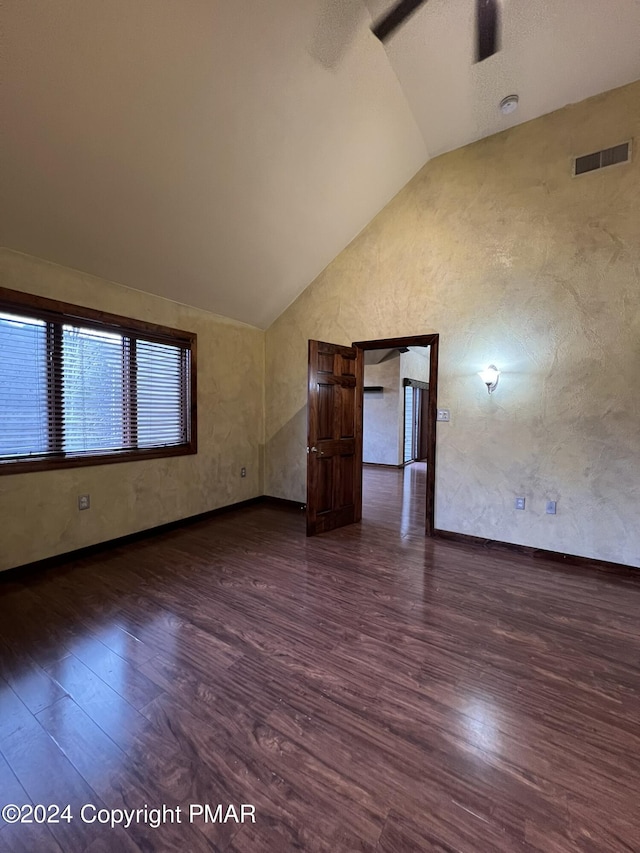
x: 520, y: 502
x: 551, y: 507
x: 243, y: 472
x: 443, y: 415
x: 84, y: 502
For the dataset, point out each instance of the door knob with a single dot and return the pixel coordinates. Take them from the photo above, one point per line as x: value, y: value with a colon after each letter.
x: 319, y: 452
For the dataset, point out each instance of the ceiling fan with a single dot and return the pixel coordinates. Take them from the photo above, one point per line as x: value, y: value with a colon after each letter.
x: 487, y: 24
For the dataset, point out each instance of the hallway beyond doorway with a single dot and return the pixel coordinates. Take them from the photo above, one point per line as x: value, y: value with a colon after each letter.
x: 394, y: 498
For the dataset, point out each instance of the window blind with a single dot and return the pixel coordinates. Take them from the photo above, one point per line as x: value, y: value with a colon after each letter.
x: 161, y: 384
x: 409, y: 419
x: 23, y: 386
x: 92, y: 392
x: 72, y: 390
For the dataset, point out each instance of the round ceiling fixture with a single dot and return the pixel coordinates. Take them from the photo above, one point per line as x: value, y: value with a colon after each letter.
x: 509, y: 104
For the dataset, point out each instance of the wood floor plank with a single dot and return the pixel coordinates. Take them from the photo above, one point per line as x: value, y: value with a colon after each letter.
x: 366, y: 690
x: 31, y: 683
x: 407, y: 774
x: 29, y: 625
x: 107, y: 708
x: 238, y: 759
x: 11, y: 791
x: 112, y: 668
x: 116, y: 777
x: 433, y: 834
x: 121, y: 842
x: 27, y: 838
x: 127, y: 681
x: 94, y: 755
x: 122, y: 642
x: 46, y: 775
x: 279, y: 834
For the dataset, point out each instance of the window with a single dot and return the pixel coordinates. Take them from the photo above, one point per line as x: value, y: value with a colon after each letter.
x: 81, y: 387
x: 415, y: 417
x: 409, y: 424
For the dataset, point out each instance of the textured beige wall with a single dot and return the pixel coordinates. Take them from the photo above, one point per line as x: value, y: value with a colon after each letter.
x: 512, y: 261
x: 380, y: 437
x: 38, y: 511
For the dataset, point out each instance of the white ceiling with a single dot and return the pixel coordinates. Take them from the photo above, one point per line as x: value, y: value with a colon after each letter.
x: 553, y: 53
x: 222, y: 153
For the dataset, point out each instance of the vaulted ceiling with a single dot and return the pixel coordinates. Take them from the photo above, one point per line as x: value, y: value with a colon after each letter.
x: 221, y: 154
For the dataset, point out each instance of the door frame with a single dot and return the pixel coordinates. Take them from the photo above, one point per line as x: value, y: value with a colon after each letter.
x: 431, y: 341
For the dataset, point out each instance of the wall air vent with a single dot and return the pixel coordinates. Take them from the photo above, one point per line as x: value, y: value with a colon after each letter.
x: 600, y: 159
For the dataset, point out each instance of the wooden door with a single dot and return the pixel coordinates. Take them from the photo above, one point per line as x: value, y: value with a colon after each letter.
x: 334, y: 436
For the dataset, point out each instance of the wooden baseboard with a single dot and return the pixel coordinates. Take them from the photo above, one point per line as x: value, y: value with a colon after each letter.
x: 289, y: 505
x: 108, y: 544
x: 383, y: 465
x: 539, y: 553
x: 285, y: 503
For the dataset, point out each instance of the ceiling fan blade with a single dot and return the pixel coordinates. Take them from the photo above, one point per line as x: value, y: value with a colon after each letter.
x: 393, y: 19
x: 486, y: 28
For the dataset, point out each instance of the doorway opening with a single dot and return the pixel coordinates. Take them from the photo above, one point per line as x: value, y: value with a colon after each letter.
x: 399, y: 403
x: 335, y: 399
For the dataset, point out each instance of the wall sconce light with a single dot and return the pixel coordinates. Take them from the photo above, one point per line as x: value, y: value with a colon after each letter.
x: 490, y: 376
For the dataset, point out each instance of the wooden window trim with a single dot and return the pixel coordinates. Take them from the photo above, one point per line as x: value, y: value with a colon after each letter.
x: 55, y: 311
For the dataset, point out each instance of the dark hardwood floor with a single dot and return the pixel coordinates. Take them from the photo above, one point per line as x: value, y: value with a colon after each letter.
x: 366, y: 690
